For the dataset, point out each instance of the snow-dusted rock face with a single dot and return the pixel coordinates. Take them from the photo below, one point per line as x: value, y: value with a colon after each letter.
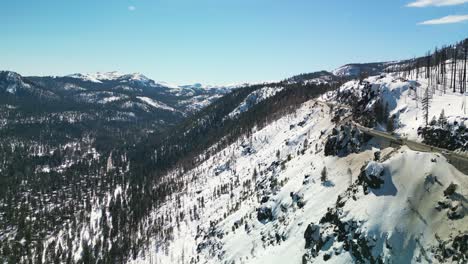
x: 343, y: 140
x: 12, y: 82
x: 372, y: 175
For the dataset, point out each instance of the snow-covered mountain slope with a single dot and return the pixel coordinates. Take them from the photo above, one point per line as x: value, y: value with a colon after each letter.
x: 243, y: 165
x: 198, y: 102
x: 254, y: 98
x: 274, y: 197
x: 406, y: 218
x: 155, y: 104
x: 95, y: 169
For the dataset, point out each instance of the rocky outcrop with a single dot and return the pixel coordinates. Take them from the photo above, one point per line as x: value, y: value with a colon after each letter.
x: 453, y: 201
x: 298, y: 199
x: 265, y: 214
x: 372, y: 175
x: 332, y: 228
x: 343, y: 141
x: 453, y: 250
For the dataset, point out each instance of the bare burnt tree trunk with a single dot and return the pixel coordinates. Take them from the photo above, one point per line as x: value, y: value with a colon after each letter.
x: 444, y: 70
x: 425, y: 105
x: 464, y: 67
x: 454, y: 70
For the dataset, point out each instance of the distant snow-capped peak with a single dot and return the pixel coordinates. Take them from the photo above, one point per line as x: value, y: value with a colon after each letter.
x: 99, y: 77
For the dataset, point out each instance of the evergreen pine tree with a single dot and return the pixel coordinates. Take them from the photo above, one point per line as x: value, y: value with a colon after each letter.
x: 442, y: 121
x: 425, y: 105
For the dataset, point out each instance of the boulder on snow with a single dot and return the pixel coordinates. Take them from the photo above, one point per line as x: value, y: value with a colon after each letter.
x: 265, y: 199
x: 456, y: 212
x: 265, y: 214
x: 372, y: 175
x: 312, y: 235
x: 298, y: 198
x: 306, y: 179
x: 450, y: 190
x: 460, y: 244
x: 331, y: 146
x: 377, y: 155
x: 444, y: 204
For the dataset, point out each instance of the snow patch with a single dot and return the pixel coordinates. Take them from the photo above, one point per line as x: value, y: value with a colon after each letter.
x: 155, y: 104
x: 254, y: 98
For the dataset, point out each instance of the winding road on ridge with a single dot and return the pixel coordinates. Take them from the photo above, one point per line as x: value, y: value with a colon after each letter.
x: 458, y: 160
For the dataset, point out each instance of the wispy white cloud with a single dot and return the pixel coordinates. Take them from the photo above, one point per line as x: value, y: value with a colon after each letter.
x: 425, y: 3
x: 131, y: 8
x: 446, y: 20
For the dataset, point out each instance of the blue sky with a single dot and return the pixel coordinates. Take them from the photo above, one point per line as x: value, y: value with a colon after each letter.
x: 220, y: 41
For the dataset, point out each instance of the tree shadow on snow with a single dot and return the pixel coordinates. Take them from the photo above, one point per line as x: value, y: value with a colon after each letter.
x: 328, y: 183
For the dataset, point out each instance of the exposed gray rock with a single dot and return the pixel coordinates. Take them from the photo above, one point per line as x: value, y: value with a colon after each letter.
x: 372, y: 175
x: 264, y: 214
